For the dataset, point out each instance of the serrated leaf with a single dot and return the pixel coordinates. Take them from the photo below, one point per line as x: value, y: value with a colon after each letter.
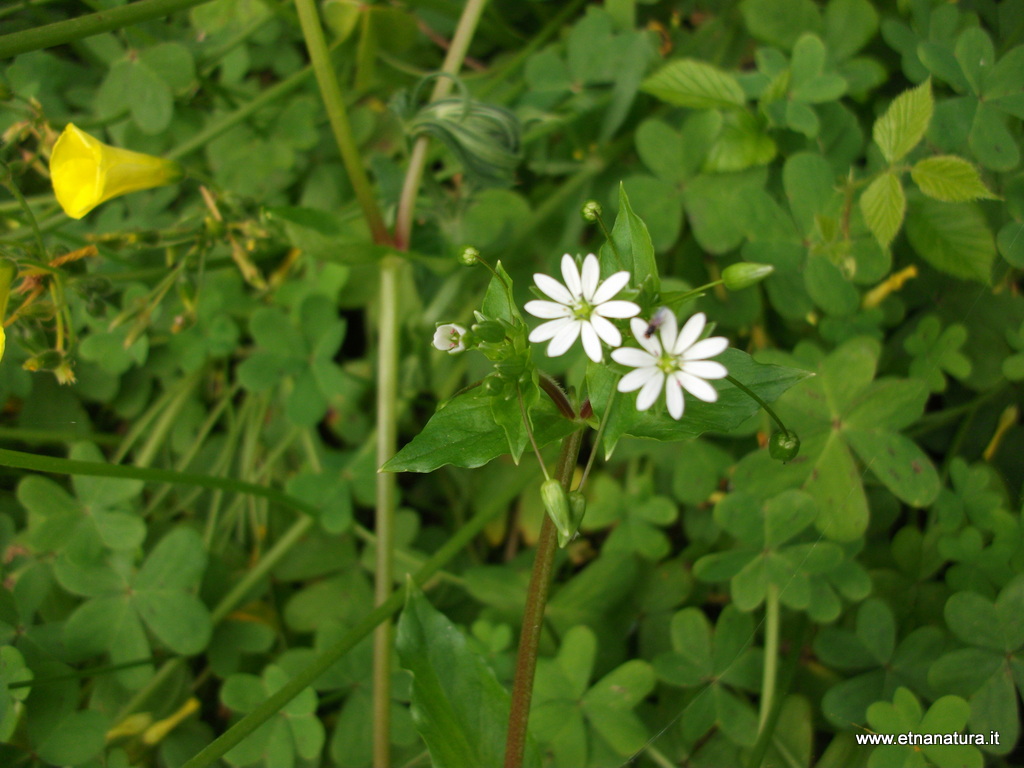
x: 695, y: 84
x: 950, y: 179
x: 905, y: 121
x: 884, y: 205
x: 952, y: 237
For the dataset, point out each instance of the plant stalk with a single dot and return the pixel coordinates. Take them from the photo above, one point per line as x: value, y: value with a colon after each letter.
x: 533, y: 615
x: 771, y: 654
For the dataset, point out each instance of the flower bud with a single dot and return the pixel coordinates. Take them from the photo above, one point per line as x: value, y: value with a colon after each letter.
x: 468, y: 256
x: 556, y: 502
x: 784, y: 446
x: 495, y: 385
x: 736, y: 277
x: 591, y: 210
x: 577, y: 508
x: 450, y: 338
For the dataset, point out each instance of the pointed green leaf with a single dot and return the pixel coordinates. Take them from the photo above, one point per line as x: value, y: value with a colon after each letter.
x: 950, y: 179
x: 904, y: 123
x: 884, y: 205
x: 695, y: 84
x: 459, y: 707
x: 952, y: 237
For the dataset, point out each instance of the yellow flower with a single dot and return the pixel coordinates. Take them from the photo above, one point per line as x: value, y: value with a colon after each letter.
x: 87, y: 172
x: 3, y: 342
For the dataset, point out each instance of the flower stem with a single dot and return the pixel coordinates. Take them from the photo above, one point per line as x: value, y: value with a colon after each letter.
x: 533, y: 615
x: 754, y: 396
x: 330, y: 92
x: 771, y: 654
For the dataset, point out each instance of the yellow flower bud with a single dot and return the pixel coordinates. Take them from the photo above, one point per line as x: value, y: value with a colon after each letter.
x: 86, y: 172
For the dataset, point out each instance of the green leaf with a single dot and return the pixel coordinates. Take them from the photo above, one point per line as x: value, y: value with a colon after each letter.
x: 975, y: 54
x: 884, y: 205
x: 849, y: 26
x: 459, y: 707
x: 633, y: 244
x: 950, y: 179
x: 780, y: 22
x: 904, y: 123
x: 991, y: 141
x: 897, y: 461
x: 463, y: 433
x: 952, y: 237
x: 1011, y: 243
x: 835, y: 484
x: 695, y: 84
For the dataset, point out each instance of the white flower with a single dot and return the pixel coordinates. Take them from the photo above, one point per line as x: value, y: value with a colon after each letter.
x: 675, y: 362
x: 580, y: 308
x: 448, y: 338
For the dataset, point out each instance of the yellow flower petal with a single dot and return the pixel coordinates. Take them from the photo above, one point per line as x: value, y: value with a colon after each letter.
x: 86, y: 172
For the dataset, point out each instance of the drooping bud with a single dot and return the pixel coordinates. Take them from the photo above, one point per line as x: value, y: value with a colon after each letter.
x: 736, y: 277
x: 591, y: 210
x: 556, y: 502
x: 784, y: 446
x: 577, y: 509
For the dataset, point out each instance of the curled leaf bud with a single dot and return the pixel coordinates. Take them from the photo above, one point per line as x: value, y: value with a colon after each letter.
x: 556, y: 502
x: 784, y: 446
x: 591, y: 210
x: 490, y: 330
x: 736, y: 277
x: 468, y: 256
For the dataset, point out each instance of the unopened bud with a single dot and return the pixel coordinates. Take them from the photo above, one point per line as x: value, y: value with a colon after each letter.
x: 577, y: 508
x: 591, y: 210
x: 468, y: 256
x: 556, y: 502
x: 490, y: 330
x: 736, y: 277
x: 784, y: 446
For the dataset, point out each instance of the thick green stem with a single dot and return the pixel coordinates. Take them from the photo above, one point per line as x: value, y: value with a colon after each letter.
x: 771, y: 654
x: 330, y: 92
x: 86, y: 26
x: 323, y: 660
x: 533, y: 615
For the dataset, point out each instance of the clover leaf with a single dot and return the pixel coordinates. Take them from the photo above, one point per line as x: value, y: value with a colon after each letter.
x: 905, y: 715
x: 935, y: 350
x: 564, y: 701
x: 716, y: 662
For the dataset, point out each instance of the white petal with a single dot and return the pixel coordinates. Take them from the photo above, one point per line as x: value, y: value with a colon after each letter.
x: 669, y: 331
x: 571, y: 275
x: 639, y: 328
x: 697, y: 387
x: 591, y: 277
x: 636, y: 379
x: 550, y: 329
x: 618, y: 309
x: 649, y: 394
x: 690, y: 333
x: 611, y: 286
x: 553, y: 289
x: 547, y: 309
x: 705, y: 369
x: 591, y: 343
x: 706, y: 348
x: 674, y: 398
x: 634, y: 358
x: 609, y: 333
x: 565, y: 338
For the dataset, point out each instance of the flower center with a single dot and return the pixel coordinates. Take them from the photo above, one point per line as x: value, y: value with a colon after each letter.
x: 581, y: 309
x: 668, y: 363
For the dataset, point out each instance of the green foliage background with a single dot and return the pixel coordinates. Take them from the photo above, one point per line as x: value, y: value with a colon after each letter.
x: 216, y: 367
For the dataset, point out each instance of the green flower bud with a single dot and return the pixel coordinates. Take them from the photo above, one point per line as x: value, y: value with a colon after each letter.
x: 495, y: 385
x: 745, y: 274
x: 591, y: 210
x: 556, y: 502
x: 469, y: 256
x: 784, y: 446
x: 490, y: 330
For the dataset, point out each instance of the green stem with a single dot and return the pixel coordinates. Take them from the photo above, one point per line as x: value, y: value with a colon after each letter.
x: 771, y: 654
x: 757, y: 399
x: 67, y: 31
x: 46, y: 436
x: 533, y: 615
x: 387, y: 443
x: 23, y: 204
x: 323, y: 660
x: 330, y: 92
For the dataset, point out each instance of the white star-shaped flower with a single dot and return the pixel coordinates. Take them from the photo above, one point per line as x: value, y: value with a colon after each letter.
x: 675, y: 362
x: 580, y: 308
x: 449, y: 338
